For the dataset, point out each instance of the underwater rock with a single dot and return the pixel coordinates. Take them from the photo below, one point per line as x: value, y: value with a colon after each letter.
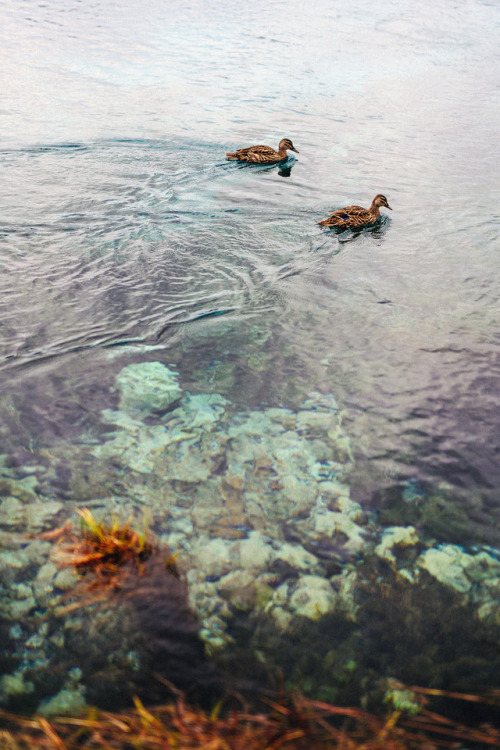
x: 214, y: 558
x: 11, y: 512
x: 24, y: 489
x: 65, y: 579
x: 282, y: 617
x: 401, y: 698
x: 395, y: 536
x: 40, y: 515
x: 67, y: 702
x: 246, y: 498
x: 202, y: 409
x: 12, y: 562
x: 30, y: 516
x: 447, y: 563
x: 255, y: 552
x: 147, y: 387
x: 326, y: 524
x: 14, y: 685
x: 143, y: 626
x: 43, y: 588
x: 138, y: 447
x: 24, y: 603
x: 346, y: 585
x: 239, y: 589
x: 477, y: 576
x: 297, y: 557
x: 313, y: 597
x: 179, y: 448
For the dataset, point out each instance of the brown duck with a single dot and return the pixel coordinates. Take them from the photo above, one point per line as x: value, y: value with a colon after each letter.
x: 264, y: 154
x: 356, y: 217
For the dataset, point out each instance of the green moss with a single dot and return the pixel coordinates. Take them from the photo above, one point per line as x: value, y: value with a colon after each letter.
x: 444, y: 515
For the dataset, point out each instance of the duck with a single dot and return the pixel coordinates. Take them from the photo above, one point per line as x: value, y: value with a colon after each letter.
x: 264, y: 154
x: 356, y: 217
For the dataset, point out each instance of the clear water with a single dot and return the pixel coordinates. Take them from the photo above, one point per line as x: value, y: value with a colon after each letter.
x: 122, y: 226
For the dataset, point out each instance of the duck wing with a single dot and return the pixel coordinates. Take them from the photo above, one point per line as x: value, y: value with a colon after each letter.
x: 350, y: 211
x: 256, y: 154
x: 351, y: 216
x: 266, y: 150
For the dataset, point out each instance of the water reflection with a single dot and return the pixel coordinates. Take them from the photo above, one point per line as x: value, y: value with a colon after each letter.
x: 376, y: 231
x: 284, y: 167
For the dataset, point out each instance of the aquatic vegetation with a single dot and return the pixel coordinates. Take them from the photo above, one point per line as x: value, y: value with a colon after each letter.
x: 127, y: 622
x: 292, y: 721
x: 442, y: 513
x: 277, y: 554
x: 105, y: 548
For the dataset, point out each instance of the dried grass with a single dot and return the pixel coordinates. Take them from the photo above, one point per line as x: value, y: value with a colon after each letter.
x: 296, y: 723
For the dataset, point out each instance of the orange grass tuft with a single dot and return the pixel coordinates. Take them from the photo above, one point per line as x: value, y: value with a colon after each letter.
x: 104, y: 548
x: 104, y: 553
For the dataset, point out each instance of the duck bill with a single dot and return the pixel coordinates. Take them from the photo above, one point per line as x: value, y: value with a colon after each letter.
x: 294, y: 149
x: 387, y: 206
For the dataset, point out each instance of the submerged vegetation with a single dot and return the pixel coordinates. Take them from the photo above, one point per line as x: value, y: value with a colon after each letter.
x: 104, y: 553
x: 106, y: 547
x: 296, y: 723
x: 125, y: 617
x: 129, y: 566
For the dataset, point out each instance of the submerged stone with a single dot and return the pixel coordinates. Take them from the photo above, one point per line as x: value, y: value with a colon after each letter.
x: 203, y: 409
x: 313, y: 598
x: 68, y: 702
x: 447, y: 563
x: 254, y: 552
x: 401, y: 699
x: 395, y: 536
x: 15, y: 684
x: 147, y: 387
x: 297, y: 557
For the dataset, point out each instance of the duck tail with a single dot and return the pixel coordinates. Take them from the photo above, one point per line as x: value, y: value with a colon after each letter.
x: 324, y: 223
x: 232, y: 156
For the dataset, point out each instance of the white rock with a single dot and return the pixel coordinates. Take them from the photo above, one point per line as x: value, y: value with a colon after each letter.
x: 14, y: 684
x: 66, y: 579
x: 13, y: 559
x: 22, y: 590
x: 203, y: 409
x: 296, y: 556
x: 395, y: 536
x: 67, y: 702
x: 447, y: 563
x: 280, y: 596
x: 327, y: 523
x: 282, y: 617
x: 313, y: 597
x: 20, y: 608
x: 147, y: 387
x: 254, y: 552
x: 214, y: 557
x: 12, y: 512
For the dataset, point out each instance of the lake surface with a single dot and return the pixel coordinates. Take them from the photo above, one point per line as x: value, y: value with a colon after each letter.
x: 126, y: 238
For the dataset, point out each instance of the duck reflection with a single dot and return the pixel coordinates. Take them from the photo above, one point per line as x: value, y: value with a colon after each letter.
x: 376, y: 232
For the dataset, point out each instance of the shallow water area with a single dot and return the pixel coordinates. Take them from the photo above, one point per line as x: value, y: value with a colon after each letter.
x: 309, y: 420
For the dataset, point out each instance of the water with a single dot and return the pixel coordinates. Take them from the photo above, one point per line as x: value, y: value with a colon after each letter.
x: 125, y: 236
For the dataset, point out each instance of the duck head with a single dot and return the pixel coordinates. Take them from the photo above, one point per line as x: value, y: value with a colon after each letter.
x: 381, y: 200
x: 287, y: 145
